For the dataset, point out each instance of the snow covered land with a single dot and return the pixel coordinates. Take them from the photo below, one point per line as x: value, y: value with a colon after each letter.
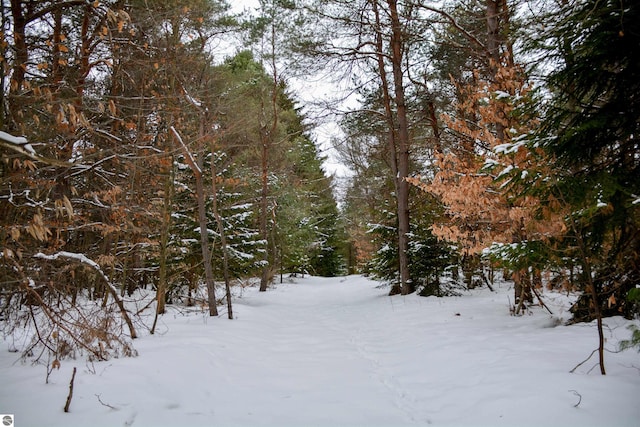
x: 340, y: 352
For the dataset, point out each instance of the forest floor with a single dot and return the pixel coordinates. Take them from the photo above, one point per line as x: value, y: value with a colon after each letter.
x: 340, y: 352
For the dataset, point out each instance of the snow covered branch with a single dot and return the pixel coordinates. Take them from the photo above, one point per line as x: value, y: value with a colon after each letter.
x: 20, y: 145
x: 187, y: 154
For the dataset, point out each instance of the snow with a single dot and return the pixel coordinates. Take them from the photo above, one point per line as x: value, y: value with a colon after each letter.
x: 77, y: 152
x: 71, y: 255
x: 510, y: 147
x: 18, y: 140
x: 506, y: 170
x: 328, y: 352
x: 192, y: 100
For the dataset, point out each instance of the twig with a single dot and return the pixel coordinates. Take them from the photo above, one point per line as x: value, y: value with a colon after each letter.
x: 105, y: 404
x: 592, y: 368
x: 146, y: 306
x: 583, y: 362
x: 73, y: 377
x: 631, y: 367
x: 486, y: 282
x: 579, y: 398
x: 533, y: 288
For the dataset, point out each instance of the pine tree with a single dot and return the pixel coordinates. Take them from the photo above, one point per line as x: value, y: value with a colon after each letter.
x: 303, y: 229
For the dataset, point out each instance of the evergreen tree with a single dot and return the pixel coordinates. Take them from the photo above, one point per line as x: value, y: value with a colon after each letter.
x: 302, y: 217
x: 591, y: 127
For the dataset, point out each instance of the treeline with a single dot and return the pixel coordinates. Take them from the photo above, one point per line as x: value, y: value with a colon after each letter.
x: 133, y: 157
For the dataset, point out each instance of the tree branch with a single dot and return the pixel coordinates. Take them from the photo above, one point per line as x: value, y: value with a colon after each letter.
x: 473, y: 39
x: 21, y: 146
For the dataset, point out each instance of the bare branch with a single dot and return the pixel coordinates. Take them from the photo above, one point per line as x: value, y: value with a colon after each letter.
x: 455, y: 23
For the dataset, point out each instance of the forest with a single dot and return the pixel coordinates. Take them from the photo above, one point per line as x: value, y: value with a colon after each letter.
x: 163, y: 146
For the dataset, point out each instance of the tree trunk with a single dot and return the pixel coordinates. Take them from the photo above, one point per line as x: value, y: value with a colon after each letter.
x: 403, y: 149
x: 493, y: 30
x: 20, y: 63
x: 522, y: 290
x: 202, y: 220
x: 223, y: 236
x: 593, y: 291
x: 596, y: 304
x: 56, y: 69
x: 391, y: 122
x: 3, y: 70
x: 433, y: 122
x: 204, y: 243
x: 497, y: 17
x: 85, y: 48
x: 164, y: 240
x: 266, y: 136
x: 264, y: 206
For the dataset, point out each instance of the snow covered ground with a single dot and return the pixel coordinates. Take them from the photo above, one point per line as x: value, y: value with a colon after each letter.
x: 340, y: 352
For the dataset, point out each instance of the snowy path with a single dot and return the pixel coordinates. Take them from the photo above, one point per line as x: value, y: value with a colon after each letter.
x: 327, y: 352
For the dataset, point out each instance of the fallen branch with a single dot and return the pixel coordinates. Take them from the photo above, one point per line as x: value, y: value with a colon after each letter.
x: 73, y: 377
x: 139, y: 312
